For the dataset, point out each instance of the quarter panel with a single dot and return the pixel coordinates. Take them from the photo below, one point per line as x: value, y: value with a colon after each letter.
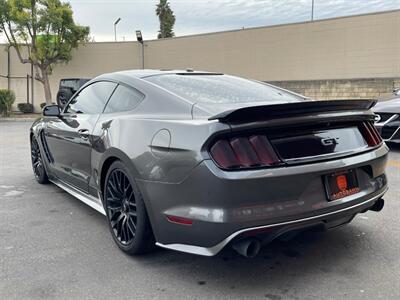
x: 130, y: 138
x: 134, y: 136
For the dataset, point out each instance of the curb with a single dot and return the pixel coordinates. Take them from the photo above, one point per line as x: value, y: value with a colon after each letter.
x: 17, y: 119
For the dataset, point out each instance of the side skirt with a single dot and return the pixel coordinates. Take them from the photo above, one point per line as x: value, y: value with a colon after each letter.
x: 85, y: 198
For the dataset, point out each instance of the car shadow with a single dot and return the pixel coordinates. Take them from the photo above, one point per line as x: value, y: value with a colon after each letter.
x: 394, y: 147
x: 278, y: 266
x: 276, y: 271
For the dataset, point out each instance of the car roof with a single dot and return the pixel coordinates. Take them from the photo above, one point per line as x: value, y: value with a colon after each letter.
x: 133, y: 77
x: 150, y: 72
x: 388, y: 106
x: 64, y: 79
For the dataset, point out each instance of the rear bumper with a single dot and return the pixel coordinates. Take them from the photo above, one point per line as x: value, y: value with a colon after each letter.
x: 332, y: 219
x: 224, y: 205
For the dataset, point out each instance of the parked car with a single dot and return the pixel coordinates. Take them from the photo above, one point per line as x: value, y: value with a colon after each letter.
x: 67, y: 88
x: 388, y: 118
x: 196, y: 161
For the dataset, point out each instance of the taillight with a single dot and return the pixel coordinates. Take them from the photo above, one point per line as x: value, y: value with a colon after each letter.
x: 371, y: 135
x: 179, y: 220
x: 244, y: 152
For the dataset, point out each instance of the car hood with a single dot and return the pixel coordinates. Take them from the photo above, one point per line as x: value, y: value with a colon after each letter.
x: 391, y: 106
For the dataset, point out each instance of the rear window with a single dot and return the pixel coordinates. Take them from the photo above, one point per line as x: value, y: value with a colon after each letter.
x: 123, y: 99
x: 70, y: 83
x: 219, y: 88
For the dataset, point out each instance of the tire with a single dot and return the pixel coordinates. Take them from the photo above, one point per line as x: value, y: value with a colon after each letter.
x: 63, y: 96
x: 126, y: 212
x: 37, y: 162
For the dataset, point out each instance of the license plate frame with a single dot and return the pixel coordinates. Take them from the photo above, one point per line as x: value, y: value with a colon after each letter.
x: 341, y: 184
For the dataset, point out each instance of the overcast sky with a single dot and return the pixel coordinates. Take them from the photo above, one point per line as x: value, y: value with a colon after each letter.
x: 199, y: 16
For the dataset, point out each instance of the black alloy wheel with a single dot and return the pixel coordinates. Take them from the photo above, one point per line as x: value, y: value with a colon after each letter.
x: 121, y: 207
x: 37, y: 162
x: 126, y: 213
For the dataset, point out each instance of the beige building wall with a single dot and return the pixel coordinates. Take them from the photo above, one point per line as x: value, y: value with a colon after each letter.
x: 342, y: 48
x: 88, y: 61
x: 350, y: 48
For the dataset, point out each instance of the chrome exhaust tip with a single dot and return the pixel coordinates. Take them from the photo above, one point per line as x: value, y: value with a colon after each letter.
x: 378, y: 205
x: 247, y: 247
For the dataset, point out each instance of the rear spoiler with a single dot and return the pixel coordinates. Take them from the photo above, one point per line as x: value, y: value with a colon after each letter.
x: 253, y: 113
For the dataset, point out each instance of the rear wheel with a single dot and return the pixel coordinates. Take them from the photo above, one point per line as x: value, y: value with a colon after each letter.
x: 37, y: 162
x: 126, y: 213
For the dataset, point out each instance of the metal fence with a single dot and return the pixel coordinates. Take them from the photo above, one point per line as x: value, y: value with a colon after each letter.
x: 29, y: 92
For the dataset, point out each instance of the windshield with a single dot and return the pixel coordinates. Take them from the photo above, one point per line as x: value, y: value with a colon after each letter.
x: 219, y: 89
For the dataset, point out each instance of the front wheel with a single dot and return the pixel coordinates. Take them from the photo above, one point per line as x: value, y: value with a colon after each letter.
x: 37, y: 162
x: 126, y: 213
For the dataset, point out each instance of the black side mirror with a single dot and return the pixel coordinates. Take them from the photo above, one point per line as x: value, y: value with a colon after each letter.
x: 52, y: 110
x: 63, y: 96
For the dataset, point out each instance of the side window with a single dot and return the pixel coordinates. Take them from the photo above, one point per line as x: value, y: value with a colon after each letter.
x: 92, y: 99
x: 123, y: 99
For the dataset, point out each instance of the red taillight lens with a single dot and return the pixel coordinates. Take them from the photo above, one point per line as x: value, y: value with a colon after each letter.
x: 223, y: 154
x: 179, y: 220
x: 264, y: 150
x: 370, y: 134
x: 378, y: 139
x: 244, y: 152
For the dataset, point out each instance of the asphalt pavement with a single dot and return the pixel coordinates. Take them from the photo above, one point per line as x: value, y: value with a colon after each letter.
x: 54, y: 246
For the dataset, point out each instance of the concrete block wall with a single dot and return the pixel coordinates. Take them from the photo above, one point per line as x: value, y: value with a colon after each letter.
x: 367, y: 88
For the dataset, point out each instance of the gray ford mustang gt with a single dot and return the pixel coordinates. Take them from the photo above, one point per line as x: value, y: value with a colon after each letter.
x: 195, y: 161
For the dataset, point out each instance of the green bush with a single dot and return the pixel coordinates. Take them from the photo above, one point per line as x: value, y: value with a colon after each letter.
x: 7, y: 98
x: 26, y: 108
x: 42, y: 104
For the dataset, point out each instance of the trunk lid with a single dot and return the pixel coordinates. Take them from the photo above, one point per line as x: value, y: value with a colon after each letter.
x: 305, y: 131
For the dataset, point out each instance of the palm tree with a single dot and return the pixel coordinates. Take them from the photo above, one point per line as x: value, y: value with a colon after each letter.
x: 167, y: 19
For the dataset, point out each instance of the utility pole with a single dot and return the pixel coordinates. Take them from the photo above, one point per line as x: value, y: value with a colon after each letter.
x: 139, y: 38
x: 115, y: 28
x: 312, y: 11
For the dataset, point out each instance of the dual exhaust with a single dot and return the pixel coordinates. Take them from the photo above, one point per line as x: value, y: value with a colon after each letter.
x: 250, y: 247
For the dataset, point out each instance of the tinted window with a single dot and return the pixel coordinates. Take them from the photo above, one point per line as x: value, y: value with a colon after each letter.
x: 219, y: 88
x: 92, y: 99
x: 123, y: 99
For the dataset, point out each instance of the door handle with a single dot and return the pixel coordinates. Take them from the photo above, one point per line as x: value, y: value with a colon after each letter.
x: 84, y: 133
